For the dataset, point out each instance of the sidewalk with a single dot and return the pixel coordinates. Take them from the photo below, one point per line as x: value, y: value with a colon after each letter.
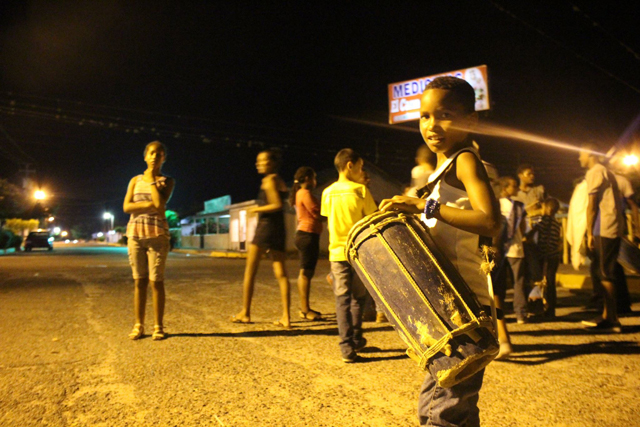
x: 567, y: 277
x: 210, y: 253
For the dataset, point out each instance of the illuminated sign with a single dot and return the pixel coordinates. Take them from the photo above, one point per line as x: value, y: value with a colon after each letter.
x: 404, y: 97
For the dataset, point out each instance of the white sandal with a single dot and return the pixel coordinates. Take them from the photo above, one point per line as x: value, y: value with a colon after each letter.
x: 158, y: 333
x: 137, y: 332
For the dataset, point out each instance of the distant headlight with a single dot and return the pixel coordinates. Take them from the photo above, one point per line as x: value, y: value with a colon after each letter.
x: 50, y: 239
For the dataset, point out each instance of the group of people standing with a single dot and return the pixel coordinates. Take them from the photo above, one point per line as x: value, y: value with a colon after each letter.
x: 457, y: 202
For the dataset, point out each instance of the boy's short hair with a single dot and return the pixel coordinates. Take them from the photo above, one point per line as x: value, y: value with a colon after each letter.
x: 159, y: 144
x: 552, y: 203
x: 345, y: 156
x: 503, y: 181
x: 462, y: 90
x: 524, y: 167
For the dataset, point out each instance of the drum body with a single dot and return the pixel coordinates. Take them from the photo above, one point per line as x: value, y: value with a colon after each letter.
x: 426, y: 300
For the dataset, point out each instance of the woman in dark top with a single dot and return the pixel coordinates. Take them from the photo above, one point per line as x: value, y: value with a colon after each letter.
x: 269, y: 236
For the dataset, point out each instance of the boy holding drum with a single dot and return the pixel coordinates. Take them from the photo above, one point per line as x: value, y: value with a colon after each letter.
x: 461, y: 210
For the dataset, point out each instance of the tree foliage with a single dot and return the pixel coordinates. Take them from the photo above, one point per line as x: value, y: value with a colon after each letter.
x: 172, y: 219
x: 21, y: 226
x: 13, y: 201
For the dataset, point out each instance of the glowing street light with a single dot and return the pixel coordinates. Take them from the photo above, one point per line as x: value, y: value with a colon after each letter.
x: 64, y: 234
x: 108, y: 216
x: 39, y: 195
x: 51, y: 219
x: 630, y: 160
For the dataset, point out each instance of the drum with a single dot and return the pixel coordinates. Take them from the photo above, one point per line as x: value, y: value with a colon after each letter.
x: 426, y: 300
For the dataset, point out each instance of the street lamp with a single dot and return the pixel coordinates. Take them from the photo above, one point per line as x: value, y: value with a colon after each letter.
x: 39, y: 195
x: 109, y: 216
x: 630, y: 160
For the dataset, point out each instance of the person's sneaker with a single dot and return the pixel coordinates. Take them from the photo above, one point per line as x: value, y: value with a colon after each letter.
x: 381, y: 318
x: 350, y: 358
x: 601, y: 324
x: 360, y: 344
x: 522, y: 320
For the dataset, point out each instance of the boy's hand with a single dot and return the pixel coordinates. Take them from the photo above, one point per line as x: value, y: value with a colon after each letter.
x: 402, y: 203
x: 591, y: 245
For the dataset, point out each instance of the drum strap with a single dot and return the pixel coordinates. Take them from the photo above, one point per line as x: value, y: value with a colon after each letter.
x: 439, y: 173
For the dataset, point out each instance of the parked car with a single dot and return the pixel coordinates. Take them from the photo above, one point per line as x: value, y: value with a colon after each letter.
x: 38, y: 239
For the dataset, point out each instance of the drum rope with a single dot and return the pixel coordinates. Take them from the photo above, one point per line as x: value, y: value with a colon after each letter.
x: 439, y: 345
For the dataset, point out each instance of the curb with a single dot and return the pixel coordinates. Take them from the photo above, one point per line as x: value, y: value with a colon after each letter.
x: 213, y: 254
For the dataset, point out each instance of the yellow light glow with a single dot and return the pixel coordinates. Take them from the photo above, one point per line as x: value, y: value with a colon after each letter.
x: 51, y: 219
x: 39, y: 195
x: 630, y: 160
x: 64, y: 234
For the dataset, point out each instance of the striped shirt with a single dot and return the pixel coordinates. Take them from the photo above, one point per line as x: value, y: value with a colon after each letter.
x: 549, y: 236
x: 145, y: 225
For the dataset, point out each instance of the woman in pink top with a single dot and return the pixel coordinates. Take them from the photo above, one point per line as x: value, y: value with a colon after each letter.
x: 308, y: 234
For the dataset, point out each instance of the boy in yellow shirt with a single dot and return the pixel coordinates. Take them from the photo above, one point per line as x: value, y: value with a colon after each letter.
x: 344, y: 203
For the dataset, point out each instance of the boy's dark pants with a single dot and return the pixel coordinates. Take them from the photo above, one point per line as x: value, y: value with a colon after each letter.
x: 350, y: 299
x: 456, y: 406
x: 623, y: 298
x: 550, y: 269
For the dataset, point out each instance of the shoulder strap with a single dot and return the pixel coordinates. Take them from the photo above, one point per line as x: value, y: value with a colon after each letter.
x: 439, y: 173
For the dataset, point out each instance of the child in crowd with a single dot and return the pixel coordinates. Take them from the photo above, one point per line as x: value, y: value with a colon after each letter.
x: 459, y: 210
x: 549, y: 250
x: 148, y: 236
x: 510, y: 257
x: 307, y: 235
x: 423, y: 168
x: 514, y: 256
x: 344, y: 203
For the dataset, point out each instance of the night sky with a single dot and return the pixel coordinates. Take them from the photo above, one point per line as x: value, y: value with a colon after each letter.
x: 85, y: 85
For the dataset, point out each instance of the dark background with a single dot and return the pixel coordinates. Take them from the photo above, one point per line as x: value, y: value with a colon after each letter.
x: 85, y: 85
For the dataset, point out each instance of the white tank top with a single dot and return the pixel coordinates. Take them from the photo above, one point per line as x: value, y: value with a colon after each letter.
x: 461, y: 247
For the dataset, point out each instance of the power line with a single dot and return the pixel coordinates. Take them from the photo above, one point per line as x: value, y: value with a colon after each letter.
x: 16, y: 148
x: 563, y: 46
x: 595, y: 24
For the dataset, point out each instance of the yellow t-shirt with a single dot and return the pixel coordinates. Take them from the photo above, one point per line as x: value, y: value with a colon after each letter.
x: 344, y: 204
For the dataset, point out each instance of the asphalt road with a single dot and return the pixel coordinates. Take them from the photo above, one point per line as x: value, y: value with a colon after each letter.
x: 65, y: 359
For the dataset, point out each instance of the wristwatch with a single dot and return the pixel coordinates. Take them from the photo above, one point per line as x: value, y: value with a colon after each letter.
x: 431, y: 208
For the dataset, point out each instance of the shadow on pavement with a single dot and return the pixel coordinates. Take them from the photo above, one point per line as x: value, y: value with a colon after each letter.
x: 369, y: 359
x: 297, y: 329
x: 538, y: 354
